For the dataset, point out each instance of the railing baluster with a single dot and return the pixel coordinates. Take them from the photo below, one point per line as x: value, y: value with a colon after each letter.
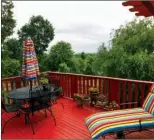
x: 136, y: 94
x: 129, y: 94
x: 124, y: 94
x: 142, y: 93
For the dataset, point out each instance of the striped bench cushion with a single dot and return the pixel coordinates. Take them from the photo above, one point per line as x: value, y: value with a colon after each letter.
x: 105, y: 122
x: 148, y: 104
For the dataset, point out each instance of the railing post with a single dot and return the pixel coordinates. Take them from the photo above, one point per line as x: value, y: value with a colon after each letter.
x: 113, y: 91
x: 73, y: 85
x: 18, y: 82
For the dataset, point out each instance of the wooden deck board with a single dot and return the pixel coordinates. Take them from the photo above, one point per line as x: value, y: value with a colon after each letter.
x: 70, y: 124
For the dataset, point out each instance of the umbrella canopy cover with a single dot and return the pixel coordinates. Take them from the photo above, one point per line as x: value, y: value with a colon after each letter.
x: 30, y: 68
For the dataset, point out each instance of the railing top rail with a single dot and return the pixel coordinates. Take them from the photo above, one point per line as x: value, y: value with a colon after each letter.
x: 104, y: 77
x: 90, y: 76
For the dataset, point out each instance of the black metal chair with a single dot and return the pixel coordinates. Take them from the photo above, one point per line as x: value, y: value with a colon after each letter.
x: 15, y: 108
x: 37, y: 104
x: 56, y: 94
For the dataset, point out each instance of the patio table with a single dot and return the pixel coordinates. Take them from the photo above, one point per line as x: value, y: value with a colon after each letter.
x: 24, y: 94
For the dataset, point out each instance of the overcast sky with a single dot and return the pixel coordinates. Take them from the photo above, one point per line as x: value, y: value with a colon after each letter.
x: 84, y: 24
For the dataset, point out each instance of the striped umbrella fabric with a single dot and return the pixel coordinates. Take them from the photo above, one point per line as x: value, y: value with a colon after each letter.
x: 30, y: 68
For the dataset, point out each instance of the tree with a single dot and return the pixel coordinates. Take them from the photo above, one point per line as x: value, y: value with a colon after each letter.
x: 14, y: 47
x: 137, y: 35
x: 63, y: 68
x: 132, y: 52
x: 60, y: 53
x: 10, y: 67
x: 83, y: 55
x: 41, y: 32
x: 8, y: 22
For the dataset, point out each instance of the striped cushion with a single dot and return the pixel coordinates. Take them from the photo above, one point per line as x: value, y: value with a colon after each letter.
x: 148, y: 104
x: 103, y: 123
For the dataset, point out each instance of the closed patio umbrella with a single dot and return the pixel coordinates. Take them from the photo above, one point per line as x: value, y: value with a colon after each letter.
x: 30, y: 68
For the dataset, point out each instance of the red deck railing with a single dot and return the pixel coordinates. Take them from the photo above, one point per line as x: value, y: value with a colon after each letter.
x: 119, y: 90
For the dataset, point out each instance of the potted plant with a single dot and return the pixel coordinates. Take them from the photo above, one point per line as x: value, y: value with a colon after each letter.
x: 80, y: 99
x: 44, y: 80
x: 111, y: 106
x: 93, y: 95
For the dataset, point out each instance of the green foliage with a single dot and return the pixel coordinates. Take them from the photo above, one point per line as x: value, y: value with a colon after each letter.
x: 137, y: 35
x: 60, y: 53
x: 5, y: 98
x: 43, y: 62
x: 10, y: 67
x: 41, y: 32
x: 83, y: 55
x: 14, y: 48
x: 131, y: 55
x: 44, y: 81
x: 7, y: 22
x: 64, y: 68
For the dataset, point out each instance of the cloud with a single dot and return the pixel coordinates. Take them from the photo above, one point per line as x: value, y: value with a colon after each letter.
x: 84, y: 24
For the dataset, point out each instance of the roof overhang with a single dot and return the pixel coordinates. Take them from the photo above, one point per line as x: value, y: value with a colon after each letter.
x: 141, y: 8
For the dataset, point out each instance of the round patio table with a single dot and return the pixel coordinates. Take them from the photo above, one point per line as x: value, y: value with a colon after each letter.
x: 24, y: 93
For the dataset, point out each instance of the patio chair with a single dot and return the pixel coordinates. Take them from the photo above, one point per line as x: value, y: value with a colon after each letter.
x: 124, y: 121
x: 56, y: 94
x: 10, y: 108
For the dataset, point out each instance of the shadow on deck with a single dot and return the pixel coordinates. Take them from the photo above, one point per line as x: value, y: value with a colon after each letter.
x: 70, y: 124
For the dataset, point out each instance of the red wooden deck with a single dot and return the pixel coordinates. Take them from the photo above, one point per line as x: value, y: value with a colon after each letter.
x: 70, y: 124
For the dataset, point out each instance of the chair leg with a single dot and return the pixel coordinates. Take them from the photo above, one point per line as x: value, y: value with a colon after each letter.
x: 30, y: 123
x: 52, y: 114
x: 7, y: 122
x: 45, y: 112
x: 62, y: 104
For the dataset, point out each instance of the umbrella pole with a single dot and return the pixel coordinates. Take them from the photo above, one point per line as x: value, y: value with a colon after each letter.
x: 31, y: 97
x: 30, y: 85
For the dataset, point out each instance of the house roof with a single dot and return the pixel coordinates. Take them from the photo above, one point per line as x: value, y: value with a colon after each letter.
x: 141, y: 8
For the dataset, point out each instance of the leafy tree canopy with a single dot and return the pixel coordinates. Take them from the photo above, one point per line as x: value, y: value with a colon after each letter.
x: 135, y: 36
x: 7, y: 22
x: 60, y: 53
x: 41, y: 32
x: 14, y: 47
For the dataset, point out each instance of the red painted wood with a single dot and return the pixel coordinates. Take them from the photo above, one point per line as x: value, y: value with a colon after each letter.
x: 129, y: 94
x: 142, y: 8
x: 100, y: 85
x: 69, y: 86
x: 136, y: 94
x: 124, y: 94
x: 7, y: 87
x: 95, y: 82
x: 70, y: 124
x: 91, y: 82
x: 79, y: 80
x: 88, y: 84
x: 62, y: 84
x: 142, y: 93
x: 112, y: 87
x: 104, y: 86
x: 113, y: 92
x: 84, y: 87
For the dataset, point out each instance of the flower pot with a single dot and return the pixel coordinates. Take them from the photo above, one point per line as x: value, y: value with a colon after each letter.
x: 93, y: 97
x: 79, y: 103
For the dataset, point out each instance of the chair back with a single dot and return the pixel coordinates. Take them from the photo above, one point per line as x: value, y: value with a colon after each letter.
x: 148, y: 104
